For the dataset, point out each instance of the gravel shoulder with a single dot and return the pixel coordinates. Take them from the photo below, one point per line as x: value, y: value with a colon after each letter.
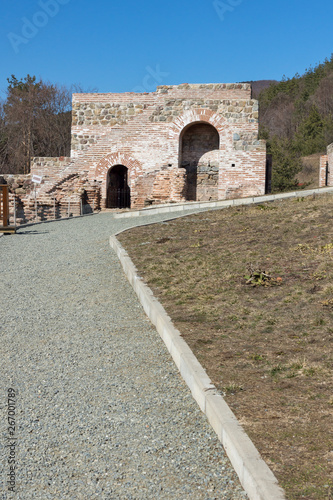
x: 101, y: 410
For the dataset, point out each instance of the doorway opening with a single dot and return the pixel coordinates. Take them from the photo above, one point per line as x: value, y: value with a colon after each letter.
x: 199, y: 147
x: 118, y: 192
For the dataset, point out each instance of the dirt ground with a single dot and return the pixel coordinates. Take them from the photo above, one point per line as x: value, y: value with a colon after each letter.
x: 251, y: 291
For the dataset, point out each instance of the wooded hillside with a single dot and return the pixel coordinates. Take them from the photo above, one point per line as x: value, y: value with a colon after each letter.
x: 296, y: 119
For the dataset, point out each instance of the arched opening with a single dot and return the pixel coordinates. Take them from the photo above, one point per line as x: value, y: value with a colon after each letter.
x: 199, y: 149
x: 118, y: 193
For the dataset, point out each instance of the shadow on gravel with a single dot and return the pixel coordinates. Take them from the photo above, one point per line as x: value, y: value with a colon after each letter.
x: 31, y: 232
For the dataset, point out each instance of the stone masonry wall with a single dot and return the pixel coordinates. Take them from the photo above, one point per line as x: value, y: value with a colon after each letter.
x: 66, y: 198
x: 330, y: 164
x: 322, y: 170
x: 179, y: 143
x: 328, y: 158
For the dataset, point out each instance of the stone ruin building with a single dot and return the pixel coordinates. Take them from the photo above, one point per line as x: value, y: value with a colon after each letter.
x: 326, y: 168
x: 129, y: 150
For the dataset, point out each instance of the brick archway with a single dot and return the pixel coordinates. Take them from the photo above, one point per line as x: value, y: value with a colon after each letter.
x: 199, y: 155
x: 101, y: 172
x: 195, y: 116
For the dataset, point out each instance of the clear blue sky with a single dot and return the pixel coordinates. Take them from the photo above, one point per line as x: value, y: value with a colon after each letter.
x: 120, y: 46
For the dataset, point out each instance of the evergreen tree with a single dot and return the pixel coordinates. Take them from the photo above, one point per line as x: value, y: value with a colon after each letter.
x: 286, y: 164
x: 296, y: 117
x: 310, y: 136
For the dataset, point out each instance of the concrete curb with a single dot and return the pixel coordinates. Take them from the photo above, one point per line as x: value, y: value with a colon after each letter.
x: 255, y: 476
x: 177, y: 207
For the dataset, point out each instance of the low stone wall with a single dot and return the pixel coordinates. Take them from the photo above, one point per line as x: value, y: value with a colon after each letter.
x: 27, y: 210
x: 67, y: 198
x: 166, y: 184
x: 48, y: 167
x: 21, y: 185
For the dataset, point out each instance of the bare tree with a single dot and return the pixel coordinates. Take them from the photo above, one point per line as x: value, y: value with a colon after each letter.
x: 36, y: 120
x: 323, y: 97
x: 278, y: 117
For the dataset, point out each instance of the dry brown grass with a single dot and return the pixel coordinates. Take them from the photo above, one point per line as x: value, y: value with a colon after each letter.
x: 268, y: 349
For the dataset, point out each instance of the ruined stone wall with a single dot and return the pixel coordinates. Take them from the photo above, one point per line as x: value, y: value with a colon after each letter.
x: 330, y: 164
x: 69, y: 197
x: 152, y: 135
x: 52, y: 169
x: 328, y: 158
x: 322, y: 170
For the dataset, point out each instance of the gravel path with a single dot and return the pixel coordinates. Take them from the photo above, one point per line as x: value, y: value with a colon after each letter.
x: 101, y: 411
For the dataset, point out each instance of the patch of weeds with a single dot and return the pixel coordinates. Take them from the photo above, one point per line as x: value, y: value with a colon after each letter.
x: 162, y: 240
x: 320, y: 321
x: 277, y: 369
x: 258, y: 277
x: 305, y: 248
x: 157, y: 281
x: 204, y: 341
x: 302, y: 248
x: 233, y: 317
x: 199, y: 317
x: 258, y: 357
x: 232, y: 388
x: 265, y: 207
x: 327, y: 248
x: 297, y: 365
x: 327, y: 303
x: 321, y: 275
x: 309, y: 372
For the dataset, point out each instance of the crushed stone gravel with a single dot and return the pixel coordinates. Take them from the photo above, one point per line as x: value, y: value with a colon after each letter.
x: 101, y: 410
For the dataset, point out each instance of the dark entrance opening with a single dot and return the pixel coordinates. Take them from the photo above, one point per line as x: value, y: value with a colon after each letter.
x: 118, y: 193
x: 199, y: 147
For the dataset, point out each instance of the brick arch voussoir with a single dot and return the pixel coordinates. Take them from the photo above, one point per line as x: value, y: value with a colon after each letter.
x: 104, y: 165
x: 198, y: 115
x: 134, y: 169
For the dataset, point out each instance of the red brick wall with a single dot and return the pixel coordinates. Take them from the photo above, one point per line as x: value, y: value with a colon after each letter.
x: 330, y: 164
x: 322, y: 170
x: 144, y: 132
